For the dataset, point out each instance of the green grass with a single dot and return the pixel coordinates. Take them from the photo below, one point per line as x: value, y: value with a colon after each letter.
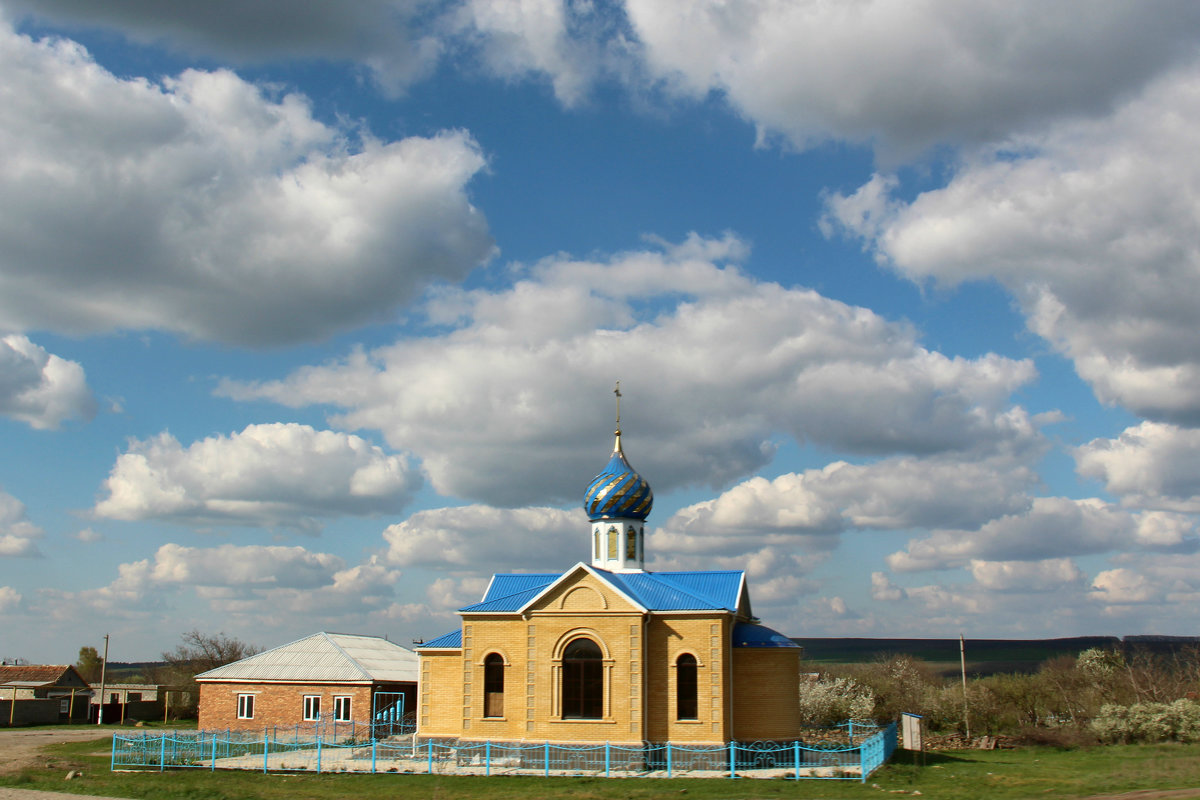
x: 961, y: 775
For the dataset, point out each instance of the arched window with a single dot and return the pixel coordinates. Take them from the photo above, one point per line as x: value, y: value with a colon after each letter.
x: 685, y: 687
x: 583, y: 680
x: 631, y: 539
x: 596, y: 542
x: 493, y: 685
x: 612, y: 541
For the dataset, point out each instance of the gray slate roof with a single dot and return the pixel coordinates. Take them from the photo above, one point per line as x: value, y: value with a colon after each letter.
x: 324, y: 658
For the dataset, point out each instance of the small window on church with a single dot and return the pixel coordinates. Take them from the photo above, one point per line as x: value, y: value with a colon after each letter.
x: 493, y: 685
x: 612, y: 541
x: 631, y: 539
x: 583, y: 680
x: 596, y: 542
x: 685, y: 687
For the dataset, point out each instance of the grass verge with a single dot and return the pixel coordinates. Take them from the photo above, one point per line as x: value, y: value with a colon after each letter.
x: 958, y: 775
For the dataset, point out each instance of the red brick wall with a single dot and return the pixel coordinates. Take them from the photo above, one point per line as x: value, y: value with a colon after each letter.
x: 275, y: 704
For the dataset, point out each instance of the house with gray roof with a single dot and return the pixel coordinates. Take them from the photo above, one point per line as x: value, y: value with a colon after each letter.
x: 326, y: 680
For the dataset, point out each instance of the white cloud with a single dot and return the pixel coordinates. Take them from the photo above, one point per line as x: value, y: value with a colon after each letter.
x: 1026, y: 576
x: 39, y: 388
x: 572, y: 42
x: 1092, y: 225
x: 223, y: 575
x: 883, y: 590
x: 242, y: 566
x: 204, y: 205
x: 10, y: 599
x: 1118, y: 587
x: 1053, y: 527
x: 1163, y: 530
x: 267, y: 475
x: 484, y: 539
x: 1151, y: 465
x: 894, y: 493
x: 17, y: 533
x: 383, y: 35
x: 905, y: 76
x: 508, y: 406
x: 88, y: 536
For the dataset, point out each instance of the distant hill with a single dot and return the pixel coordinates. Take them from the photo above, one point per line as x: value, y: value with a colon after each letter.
x: 984, y: 656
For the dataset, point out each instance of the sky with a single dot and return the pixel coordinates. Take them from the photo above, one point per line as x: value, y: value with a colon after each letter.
x: 311, y: 314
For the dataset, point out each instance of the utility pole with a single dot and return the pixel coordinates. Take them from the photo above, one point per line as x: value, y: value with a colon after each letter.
x: 962, y: 656
x: 103, y: 675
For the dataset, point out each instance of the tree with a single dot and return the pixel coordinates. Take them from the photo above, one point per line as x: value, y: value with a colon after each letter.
x: 89, y: 664
x: 201, y: 652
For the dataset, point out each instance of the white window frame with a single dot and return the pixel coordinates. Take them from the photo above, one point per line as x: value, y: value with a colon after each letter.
x: 341, y: 708
x: 245, y: 706
x: 312, y: 707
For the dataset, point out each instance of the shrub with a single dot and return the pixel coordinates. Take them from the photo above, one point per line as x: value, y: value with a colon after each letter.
x: 1148, y: 722
x: 827, y: 700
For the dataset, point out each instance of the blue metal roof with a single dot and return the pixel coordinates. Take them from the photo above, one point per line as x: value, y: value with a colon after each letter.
x: 721, y: 587
x: 509, y: 584
x: 513, y: 602
x: 658, y: 592
x: 748, y: 634
x: 654, y: 591
x: 451, y: 639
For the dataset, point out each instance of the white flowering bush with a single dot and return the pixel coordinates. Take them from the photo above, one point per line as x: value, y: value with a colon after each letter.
x: 1148, y: 722
x: 828, y: 700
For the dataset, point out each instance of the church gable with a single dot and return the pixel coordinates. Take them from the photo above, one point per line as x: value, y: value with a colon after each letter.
x: 580, y: 590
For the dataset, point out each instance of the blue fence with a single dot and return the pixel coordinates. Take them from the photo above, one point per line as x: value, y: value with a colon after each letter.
x: 861, y: 751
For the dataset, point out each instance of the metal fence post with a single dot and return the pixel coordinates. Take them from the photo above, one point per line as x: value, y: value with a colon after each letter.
x: 796, y: 754
x: 668, y: 759
x: 487, y: 757
x: 214, y: 751
x: 431, y: 756
x: 318, y: 755
x: 732, y: 759
x: 850, y: 729
x: 374, y: 745
x: 162, y: 753
x: 607, y: 759
x: 547, y: 759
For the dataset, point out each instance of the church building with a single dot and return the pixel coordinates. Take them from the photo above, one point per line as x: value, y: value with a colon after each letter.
x: 610, y: 652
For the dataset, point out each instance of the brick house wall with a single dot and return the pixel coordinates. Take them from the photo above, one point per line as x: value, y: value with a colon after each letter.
x: 277, y: 704
x: 766, y: 700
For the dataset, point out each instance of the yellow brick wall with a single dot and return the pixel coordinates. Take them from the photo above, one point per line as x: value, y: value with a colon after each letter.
x: 766, y: 694
x: 275, y: 704
x: 707, y: 638
x: 440, y: 712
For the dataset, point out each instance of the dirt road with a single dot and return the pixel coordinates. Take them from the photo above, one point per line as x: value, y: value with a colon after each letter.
x: 21, y: 748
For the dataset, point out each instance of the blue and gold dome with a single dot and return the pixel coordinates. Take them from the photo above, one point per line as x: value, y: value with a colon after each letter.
x: 618, y: 492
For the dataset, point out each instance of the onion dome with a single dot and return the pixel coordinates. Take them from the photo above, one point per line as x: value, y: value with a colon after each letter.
x: 618, y: 492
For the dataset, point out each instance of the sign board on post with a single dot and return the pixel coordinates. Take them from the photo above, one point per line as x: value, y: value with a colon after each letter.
x: 911, y: 732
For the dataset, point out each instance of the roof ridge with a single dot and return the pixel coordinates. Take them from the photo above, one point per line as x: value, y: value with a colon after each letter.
x: 349, y: 657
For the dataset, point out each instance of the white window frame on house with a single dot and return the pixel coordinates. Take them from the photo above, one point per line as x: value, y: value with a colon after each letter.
x: 245, y: 706
x: 341, y: 708
x: 312, y: 707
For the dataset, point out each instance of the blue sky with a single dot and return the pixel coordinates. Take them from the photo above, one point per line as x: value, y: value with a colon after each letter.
x: 310, y: 317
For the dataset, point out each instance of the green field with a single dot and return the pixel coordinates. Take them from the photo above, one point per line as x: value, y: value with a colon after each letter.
x: 984, y: 656
x: 965, y: 775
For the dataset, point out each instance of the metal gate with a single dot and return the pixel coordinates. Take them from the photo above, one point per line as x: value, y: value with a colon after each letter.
x: 387, y: 716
